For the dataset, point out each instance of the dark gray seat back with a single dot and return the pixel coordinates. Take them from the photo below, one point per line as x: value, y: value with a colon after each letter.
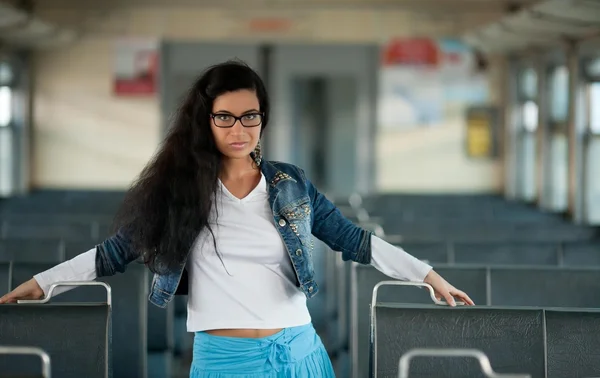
x: 505, y: 253
x: 75, y: 336
x: 573, y: 338
x: 478, y: 231
x: 74, y: 248
x: 581, y: 253
x: 160, y: 322
x: 32, y: 250
x: 545, y: 343
x: 35, y: 228
x: 545, y: 287
x: 129, y: 313
x: 435, y: 252
x: 4, y: 277
x: 513, y: 339
x: 24, y: 362
x: 363, y: 281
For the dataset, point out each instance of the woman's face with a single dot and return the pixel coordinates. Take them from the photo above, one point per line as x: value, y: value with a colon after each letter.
x: 233, y: 139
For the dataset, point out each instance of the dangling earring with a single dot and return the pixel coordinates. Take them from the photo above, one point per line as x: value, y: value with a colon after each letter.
x: 256, y: 155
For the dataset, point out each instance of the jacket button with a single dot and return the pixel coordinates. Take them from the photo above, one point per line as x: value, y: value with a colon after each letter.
x: 282, y: 222
x: 298, y: 252
x: 310, y: 289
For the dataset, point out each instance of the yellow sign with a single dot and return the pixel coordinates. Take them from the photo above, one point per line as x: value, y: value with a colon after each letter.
x: 479, y: 134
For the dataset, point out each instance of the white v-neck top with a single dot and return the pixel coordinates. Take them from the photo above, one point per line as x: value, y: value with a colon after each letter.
x: 254, y: 286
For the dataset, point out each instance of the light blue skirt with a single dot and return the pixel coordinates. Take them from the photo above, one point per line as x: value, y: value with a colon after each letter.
x: 295, y: 352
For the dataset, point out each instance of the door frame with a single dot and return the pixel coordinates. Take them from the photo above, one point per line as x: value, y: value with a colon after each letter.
x: 334, y: 60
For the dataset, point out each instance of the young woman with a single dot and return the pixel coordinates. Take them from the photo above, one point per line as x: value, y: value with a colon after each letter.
x: 238, y: 229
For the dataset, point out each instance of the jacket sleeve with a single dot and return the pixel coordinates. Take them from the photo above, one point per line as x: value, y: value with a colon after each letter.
x: 113, y: 255
x: 337, y: 231
x: 106, y: 259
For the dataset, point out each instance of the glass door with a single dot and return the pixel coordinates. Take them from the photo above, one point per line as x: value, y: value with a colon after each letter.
x: 12, y: 127
x: 526, y: 133
x: 591, y: 143
x: 556, y: 161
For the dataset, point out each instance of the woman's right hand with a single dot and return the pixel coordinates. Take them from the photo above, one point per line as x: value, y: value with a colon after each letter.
x: 28, y: 290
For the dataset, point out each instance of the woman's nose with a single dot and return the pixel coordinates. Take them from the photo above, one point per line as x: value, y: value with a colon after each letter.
x: 237, y: 127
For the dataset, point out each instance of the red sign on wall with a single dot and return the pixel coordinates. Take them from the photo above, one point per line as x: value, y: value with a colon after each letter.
x: 274, y: 25
x: 416, y: 51
x: 136, y: 68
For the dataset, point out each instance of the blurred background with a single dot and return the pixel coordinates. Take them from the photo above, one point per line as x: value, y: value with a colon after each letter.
x: 425, y: 120
x: 379, y: 91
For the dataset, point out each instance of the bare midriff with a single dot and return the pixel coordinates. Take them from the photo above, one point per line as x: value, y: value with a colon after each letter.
x: 245, y: 333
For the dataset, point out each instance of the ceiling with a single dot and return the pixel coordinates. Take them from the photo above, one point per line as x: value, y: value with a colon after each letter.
x: 453, y: 6
x: 48, y: 23
x: 542, y: 25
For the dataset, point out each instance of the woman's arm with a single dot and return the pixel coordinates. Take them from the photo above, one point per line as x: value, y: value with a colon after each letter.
x: 394, y: 262
x: 106, y: 259
x: 80, y: 268
x: 337, y: 231
x: 114, y: 254
x: 361, y: 246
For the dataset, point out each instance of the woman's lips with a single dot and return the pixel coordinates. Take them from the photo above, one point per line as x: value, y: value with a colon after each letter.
x: 238, y: 145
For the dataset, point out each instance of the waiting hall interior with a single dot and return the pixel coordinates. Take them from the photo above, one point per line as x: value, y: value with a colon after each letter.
x: 466, y: 132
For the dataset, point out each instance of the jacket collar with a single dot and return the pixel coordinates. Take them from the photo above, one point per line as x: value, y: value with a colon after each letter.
x: 273, y: 174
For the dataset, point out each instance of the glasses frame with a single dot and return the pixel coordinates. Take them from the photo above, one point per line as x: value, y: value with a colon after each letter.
x: 261, y: 114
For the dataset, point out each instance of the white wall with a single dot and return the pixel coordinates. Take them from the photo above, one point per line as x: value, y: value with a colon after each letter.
x: 432, y: 160
x: 83, y: 136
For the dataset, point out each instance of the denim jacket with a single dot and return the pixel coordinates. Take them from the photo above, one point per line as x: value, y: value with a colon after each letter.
x: 299, y: 211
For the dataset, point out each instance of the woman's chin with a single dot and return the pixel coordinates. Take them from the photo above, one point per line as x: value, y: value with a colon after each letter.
x: 238, y: 154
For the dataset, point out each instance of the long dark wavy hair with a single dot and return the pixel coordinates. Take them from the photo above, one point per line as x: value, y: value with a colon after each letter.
x: 170, y: 202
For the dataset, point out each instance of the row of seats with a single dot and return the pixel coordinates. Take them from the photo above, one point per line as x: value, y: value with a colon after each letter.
x: 69, y: 203
x: 140, y: 339
x: 569, y: 253
x: 482, y: 232
x: 434, y: 231
x: 505, y: 263
x: 543, y: 287
x: 48, y: 227
x: 458, y: 208
x: 535, y: 288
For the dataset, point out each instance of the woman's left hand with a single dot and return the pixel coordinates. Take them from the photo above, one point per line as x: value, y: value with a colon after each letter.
x: 444, y: 290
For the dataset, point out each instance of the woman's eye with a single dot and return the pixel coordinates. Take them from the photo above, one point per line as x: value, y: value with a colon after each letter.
x: 250, y: 117
x: 223, y: 117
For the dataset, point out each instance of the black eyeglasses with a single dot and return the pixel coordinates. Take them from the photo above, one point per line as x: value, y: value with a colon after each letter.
x: 228, y: 120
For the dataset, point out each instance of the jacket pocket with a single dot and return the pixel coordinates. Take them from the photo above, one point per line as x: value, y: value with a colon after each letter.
x: 298, y: 216
x: 298, y: 209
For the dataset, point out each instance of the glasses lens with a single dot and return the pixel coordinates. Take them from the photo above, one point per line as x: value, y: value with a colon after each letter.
x: 223, y: 120
x: 251, y: 120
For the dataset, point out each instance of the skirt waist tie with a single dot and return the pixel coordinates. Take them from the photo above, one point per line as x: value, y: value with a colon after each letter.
x: 280, y: 353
